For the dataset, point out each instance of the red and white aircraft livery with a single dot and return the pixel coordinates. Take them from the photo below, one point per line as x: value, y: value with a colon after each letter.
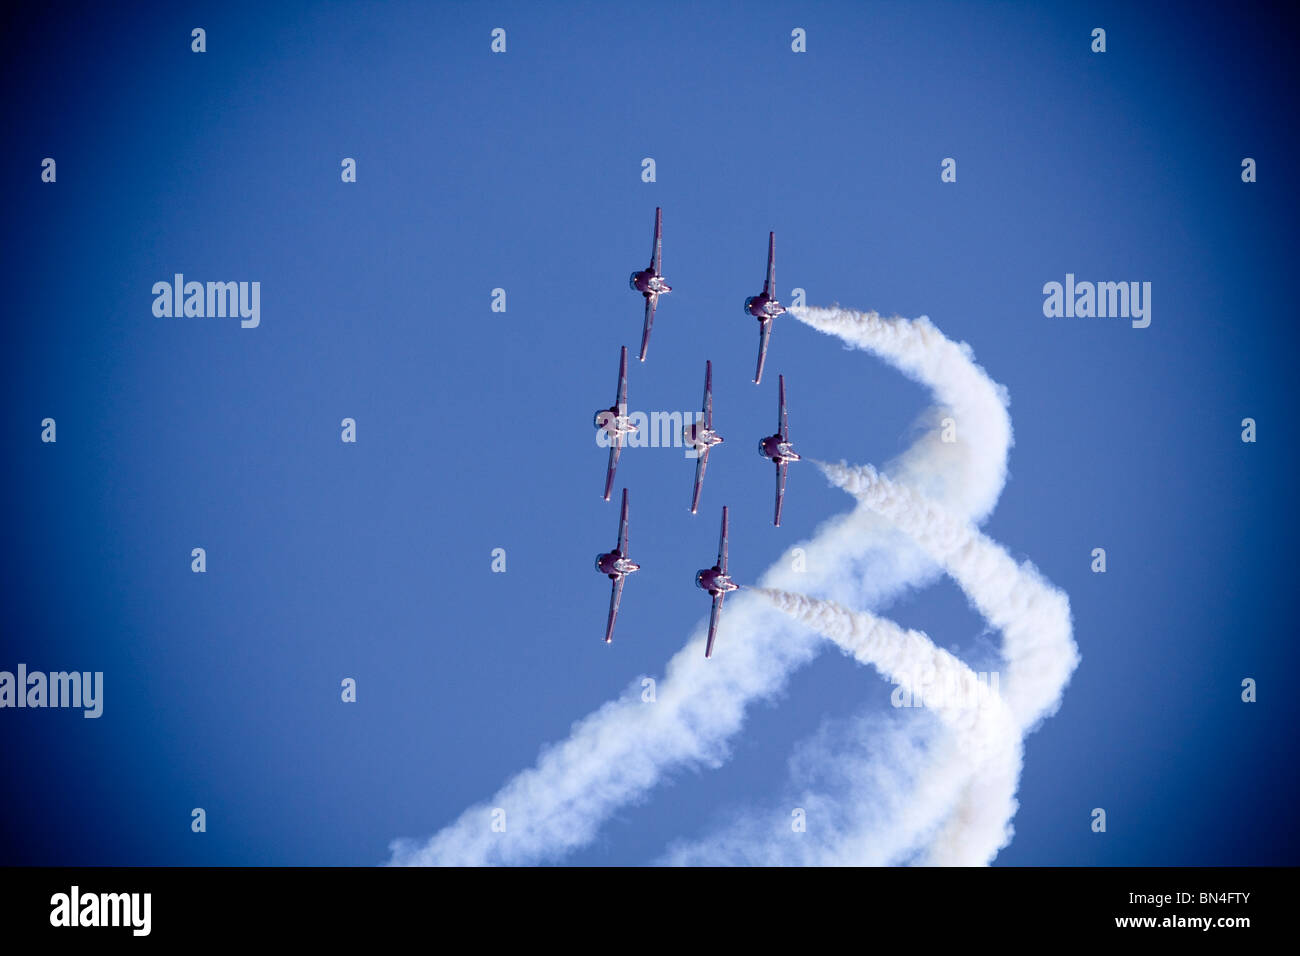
x: 764, y: 307
x: 650, y: 282
x: 701, y: 436
x: 614, y: 420
x: 715, y: 581
x: 617, y: 566
x: 778, y: 449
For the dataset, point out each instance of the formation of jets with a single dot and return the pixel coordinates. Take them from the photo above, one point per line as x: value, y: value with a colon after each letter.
x: 699, y: 436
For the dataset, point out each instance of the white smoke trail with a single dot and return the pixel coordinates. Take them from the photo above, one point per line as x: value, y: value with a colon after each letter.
x: 975, y: 404
x: 875, y: 791
x: 1033, y: 616
x: 616, y: 754
x: 984, y: 755
x: 971, y: 708
x: 1038, y: 645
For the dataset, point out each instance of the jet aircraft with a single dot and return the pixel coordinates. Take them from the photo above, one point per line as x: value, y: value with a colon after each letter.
x: 617, y: 566
x: 778, y: 449
x: 764, y: 307
x: 701, y: 436
x: 650, y: 281
x: 716, y: 581
x: 614, y: 421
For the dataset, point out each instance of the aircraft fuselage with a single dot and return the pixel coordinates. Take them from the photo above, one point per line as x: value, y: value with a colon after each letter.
x: 762, y: 307
x: 614, y: 565
x: 648, y: 284
x: 700, y: 437
x: 777, y: 450
x: 611, y: 421
x: 714, y: 581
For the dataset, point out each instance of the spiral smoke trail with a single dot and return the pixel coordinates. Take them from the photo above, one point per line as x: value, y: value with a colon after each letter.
x: 975, y: 774
x: 1033, y: 616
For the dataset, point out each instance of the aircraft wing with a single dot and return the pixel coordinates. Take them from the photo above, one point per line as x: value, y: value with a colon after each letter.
x: 651, y: 301
x: 764, y: 333
x: 615, y: 449
x: 701, y: 462
x: 714, y: 616
x: 615, y: 597
x: 769, y: 287
x: 785, y: 416
x: 622, y: 528
x: 781, y: 468
x: 657, y: 253
x: 722, y: 543
x: 708, y: 394
x: 622, y: 382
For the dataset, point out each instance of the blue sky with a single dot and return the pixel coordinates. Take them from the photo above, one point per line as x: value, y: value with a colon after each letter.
x: 522, y: 171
